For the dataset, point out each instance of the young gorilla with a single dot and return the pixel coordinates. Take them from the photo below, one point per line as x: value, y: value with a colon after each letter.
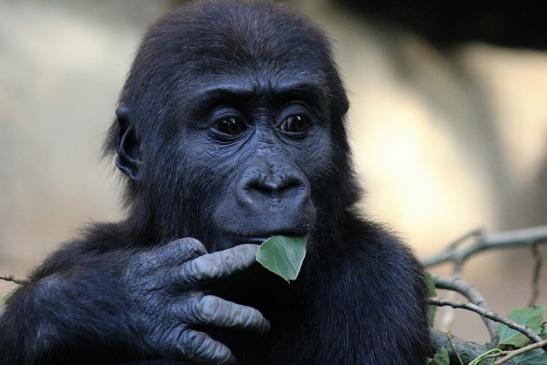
x: 229, y: 129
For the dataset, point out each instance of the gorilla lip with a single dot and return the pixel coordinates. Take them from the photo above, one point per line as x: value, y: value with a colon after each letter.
x: 259, y: 237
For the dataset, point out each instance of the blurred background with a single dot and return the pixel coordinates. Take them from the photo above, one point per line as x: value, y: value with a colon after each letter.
x: 448, y: 123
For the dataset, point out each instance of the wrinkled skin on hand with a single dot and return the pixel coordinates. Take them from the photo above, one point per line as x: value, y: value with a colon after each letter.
x: 166, y: 286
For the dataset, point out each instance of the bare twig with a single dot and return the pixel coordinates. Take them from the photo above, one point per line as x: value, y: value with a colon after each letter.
x: 538, y: 263
x: 12, y: 279
x: 457, y: 284
x: 510, y: 354
x: 484, y: 242
x: 477, y: 232
x: 448, y: 314
x: 488, y: 314
x: 452, y: 247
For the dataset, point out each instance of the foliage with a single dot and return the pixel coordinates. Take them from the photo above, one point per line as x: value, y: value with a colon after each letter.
x: 510, y: 340
x: 533, y: 318
x: 530, y: 317
x: 521, y: 338
x: 283, y: 255
x: 534, y: 357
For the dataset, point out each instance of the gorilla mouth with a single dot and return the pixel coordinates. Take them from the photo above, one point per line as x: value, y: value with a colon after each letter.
x: 261, y: 236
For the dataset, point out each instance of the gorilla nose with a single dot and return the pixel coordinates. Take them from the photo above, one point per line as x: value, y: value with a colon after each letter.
x: 274, y: 191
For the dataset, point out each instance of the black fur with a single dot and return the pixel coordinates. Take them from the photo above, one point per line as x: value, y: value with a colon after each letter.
x: 360, y: 296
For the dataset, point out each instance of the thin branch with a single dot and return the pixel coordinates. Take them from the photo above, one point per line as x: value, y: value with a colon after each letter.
x: 448, y: 314
x: 510, y: 354
x: 12, y: 279
x: 457, y: 284
x: 484, y: 242
x: 477, y: 232
x: 488, y: 314
x: 452, y: 247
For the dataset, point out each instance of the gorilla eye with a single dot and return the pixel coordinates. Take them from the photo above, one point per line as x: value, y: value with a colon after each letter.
x: 232, y: 126
x: 297, y: 124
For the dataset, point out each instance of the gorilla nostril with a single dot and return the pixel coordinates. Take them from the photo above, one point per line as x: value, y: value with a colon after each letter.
x: 282, y: 189
x: 289, y: 184
x: 292, y: 188
x: 260, y: 187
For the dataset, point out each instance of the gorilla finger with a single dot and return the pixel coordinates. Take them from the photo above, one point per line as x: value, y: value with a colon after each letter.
x: 180, y: 251
x: 220, y: 264
x: 199, y: 347
x: 214, y: 311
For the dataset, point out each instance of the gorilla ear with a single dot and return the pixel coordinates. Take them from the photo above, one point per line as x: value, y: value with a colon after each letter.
x: 129, y: 156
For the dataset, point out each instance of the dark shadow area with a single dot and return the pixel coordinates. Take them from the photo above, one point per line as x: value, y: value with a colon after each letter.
x: 448, y: 23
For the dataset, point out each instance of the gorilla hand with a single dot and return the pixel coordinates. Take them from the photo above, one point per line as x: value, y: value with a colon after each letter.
x: 165, y: 285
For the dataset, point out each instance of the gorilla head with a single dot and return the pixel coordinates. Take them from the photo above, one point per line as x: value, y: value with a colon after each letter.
x: 230, y: 127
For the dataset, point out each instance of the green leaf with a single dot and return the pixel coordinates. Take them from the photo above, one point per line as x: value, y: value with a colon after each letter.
x: 431, y: 292
x: 530, y: 317
x: 534, y: 357
x: 441, y: 357
x: 283, y: 255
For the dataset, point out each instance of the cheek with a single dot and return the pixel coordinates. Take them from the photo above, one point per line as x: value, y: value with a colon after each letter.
x: 316, y: 159
x: 202, y: 176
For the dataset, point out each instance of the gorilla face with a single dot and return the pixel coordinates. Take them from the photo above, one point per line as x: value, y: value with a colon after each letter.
x: 261, y: 142
x: 254, y: 147
x: 233, y: 136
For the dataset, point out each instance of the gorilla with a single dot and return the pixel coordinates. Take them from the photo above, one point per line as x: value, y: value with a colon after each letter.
x: 230, y: 128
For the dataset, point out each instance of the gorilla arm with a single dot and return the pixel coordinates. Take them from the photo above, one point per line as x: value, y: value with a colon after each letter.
x: 123, y: 305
